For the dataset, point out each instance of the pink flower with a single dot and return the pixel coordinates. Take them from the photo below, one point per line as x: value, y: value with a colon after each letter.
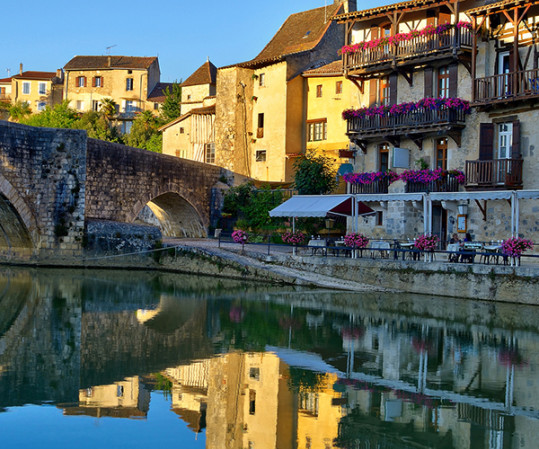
x: 239, y: 236
x: 356, y: 240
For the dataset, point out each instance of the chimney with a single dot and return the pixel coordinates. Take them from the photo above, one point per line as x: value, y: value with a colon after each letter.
x: 60, y: 74
x: 349, y: 5
x: 109, y: 61
x: 20, y: 68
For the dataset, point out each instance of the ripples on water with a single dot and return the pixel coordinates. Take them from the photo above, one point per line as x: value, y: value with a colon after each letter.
x: 130, y: 359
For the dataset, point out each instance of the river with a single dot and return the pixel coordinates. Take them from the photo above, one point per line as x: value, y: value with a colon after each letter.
x: 129, y: 359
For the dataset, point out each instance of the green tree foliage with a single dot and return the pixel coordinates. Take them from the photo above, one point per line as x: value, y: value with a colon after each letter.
x: 314, y: 175
x: 252, y: 205
x: 171, y: 107
x: 98, y: 126
x: 19, y: 111
x: 59, y: 116
x: 144, y: 132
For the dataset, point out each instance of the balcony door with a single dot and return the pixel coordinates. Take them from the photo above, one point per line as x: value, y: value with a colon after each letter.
x: 441, y: 153
x: 505, y: 140
x: 504, y: 70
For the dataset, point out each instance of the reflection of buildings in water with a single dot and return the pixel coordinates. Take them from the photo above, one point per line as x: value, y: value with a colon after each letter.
x: 126, y: 399
x: 247, y: 401
x: 190, y: 393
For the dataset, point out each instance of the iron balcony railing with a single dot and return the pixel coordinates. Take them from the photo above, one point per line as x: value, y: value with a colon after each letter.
x: 420, y: 118
x: 446, y: 184
x: 452, y: 39
x: 378, y: 186
x: 494, y: 174
x: 507, y: 86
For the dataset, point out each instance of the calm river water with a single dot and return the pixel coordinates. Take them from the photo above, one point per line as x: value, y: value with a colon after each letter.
x: 104, y: 359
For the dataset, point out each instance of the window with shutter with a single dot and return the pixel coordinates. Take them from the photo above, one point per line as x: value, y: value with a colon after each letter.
x: 453, y: 80
x: 393, y: 82
x: 515, y: 147
x: 373, y: 87
x: 428, y: 82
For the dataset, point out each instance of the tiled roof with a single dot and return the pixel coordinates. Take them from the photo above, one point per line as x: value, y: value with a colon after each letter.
x: 300, y: 32
x: 116, y: 62
x: 334, y: 68
x: 205, y: 74
x: 383, y: 10
x: 494, y: 6
x: 198, y: 111
x: 157, y: 95
x: 36, y: 75
x: 5, y: 80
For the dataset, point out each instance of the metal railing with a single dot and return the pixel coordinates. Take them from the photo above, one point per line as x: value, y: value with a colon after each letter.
x: 495, y: 173
x: 447, y: 184
x: 379, y: 186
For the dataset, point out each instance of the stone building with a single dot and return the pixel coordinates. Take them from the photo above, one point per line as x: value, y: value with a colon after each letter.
x: 38, y: 89
x: 200, y: 88
x: 132, y: 82
x: 425, y: 103
x: 261, y: 103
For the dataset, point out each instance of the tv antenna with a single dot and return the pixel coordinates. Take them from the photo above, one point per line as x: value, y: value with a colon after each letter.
x: 109, y: 47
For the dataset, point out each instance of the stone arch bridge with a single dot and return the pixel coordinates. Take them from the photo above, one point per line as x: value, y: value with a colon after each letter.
x: 53, y: 182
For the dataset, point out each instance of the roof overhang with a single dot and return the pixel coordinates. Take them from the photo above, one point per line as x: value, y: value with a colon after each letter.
x: 494, y: 8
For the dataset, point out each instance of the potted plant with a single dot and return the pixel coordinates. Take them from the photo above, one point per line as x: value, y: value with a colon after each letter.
x: 240, y: 236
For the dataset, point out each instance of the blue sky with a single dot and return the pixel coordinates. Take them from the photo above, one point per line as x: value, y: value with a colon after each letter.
x: 45, y: 36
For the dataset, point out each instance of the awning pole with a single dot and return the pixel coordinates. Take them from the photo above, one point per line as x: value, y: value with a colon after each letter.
x: 513, y: 199
x: 356, y: 216
x: 517, y: 214
x: 294, y: 225
x: 425, y: 216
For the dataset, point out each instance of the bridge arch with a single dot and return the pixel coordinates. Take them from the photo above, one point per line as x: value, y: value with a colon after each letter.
x: 176, y: 215
x: 18, y: 226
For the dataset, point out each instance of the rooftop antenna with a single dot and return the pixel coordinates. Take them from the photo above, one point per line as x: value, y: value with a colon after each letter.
x: 109, y: 47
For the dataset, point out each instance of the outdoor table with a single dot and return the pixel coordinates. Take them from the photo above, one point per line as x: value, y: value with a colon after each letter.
x: 340, y: 246
x: 467, y: 253
x: 454, y: 249
x: 380, y: 245
x: 409, y: 246
x: 491, y: 251
x: 317, y: 245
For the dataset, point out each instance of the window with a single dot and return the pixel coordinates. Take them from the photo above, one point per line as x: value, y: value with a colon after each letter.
x: 505, y: 139
x: 181, y: 153
x: 80, y: 105
x: 379, y: 218
x: 119, y: 391
x: 383, y: 157
x: 317, y: 130
x: 209, y: 153
x: 338, y: 87
x: 98, y: 81
x: 260, y: 155
x: 188, y: 97
x: 441, y: 153
x: 42, y: 89
x: 41, y: 106
x: 182, y: 130
x: 319, y: 91
x: 26, y: 88
x: 443, y: 82
x: 262, y: 79
x: 254, y: 373
x: 80, y: 81
x: 156, y: 106
x: 252, y: 402
x: 126, y: 127
x: 260, y: 128
x: 129, y: 106
x: 95, y: 105
x: 384, y: 91
x: 129, y: 84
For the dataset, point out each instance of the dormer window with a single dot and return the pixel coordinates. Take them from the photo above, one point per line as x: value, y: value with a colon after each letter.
x: 307, y: 34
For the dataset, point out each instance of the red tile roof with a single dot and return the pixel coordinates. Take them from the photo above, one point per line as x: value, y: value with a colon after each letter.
x: 334, y: 68
x: 35, y: 76
x: 300, y: 32
x: 116, y: 62
x: 205, y: 74
x: 5, y: 80
x: 157, y: 95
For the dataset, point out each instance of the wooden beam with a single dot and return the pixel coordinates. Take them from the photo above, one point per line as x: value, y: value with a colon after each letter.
x: 393, y: 140
x: 360, y: 84
x: 483, y: 208
x: 418, y: 140
x: 407, y: 75
x: 456, y: 135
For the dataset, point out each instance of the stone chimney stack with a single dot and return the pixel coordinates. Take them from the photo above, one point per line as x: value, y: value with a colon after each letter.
x: 20, y: 68
x: 349, y: 5
x: 60, y: 74
x: 109, y: 61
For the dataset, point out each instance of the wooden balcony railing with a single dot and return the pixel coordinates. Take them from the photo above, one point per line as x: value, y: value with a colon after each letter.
x: 420, y: 118
x: 452, y: 39
x: 494, y: 174
x: 379, y: 186
x: 507, y: 86
x: 448, y: 184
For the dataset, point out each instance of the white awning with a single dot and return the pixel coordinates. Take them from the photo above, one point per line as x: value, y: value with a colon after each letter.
x: 461, y: 196
x: 369, y: 197
x: 527, y: 194
x: 312, y: 206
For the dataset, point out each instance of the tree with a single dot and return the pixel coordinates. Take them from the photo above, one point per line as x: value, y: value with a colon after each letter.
x: 98, y: 126
x: 171, y: 108
x: 108, y: 108
x: 144, y: 132
x: 314, y: 175
x: 59, y: 116
x: 19, y: 111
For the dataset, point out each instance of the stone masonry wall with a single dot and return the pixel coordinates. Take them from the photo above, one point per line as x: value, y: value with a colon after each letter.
x: 43, y: 175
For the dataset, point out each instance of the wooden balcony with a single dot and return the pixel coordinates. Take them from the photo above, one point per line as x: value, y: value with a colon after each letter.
x: 420, y: 121
x: 511, y: 86
x: 494, y: 174
x: 379, y: 186
x: 447, y: 184
x: 428, y: 46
